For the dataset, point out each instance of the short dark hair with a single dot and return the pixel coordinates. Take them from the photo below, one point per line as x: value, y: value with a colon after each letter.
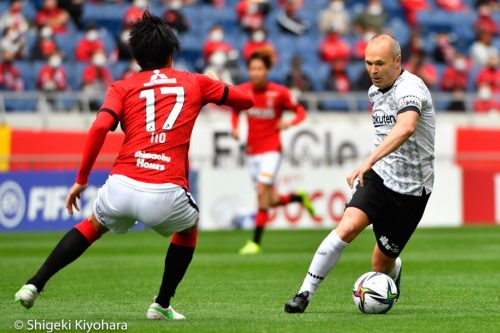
x: 152, y: 41
x: 265, y: 55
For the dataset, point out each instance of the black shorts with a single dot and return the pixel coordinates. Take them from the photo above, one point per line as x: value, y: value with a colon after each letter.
x: 394, y: 216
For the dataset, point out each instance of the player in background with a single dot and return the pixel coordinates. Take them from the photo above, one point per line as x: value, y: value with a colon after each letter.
x: 156, y: 109
x: 263, y: 147
x: 394, y: 182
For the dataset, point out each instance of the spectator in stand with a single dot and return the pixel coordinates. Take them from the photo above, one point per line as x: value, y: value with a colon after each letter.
x: 52, y: 76
x: 335, y: 15
x: 132, y: 69
x: 486, y: 101
x: 215, y: 3
x: 494, y: 4
x: 252, y: 13
x: 218, y: 64
x: 455, y: 75
x: 297, y: 80
x: 338, y: 80
x: 371, y: 18
x: 10, y: 77
x: 215, y: 42
x: 135, y: 11
x: 444, y: 51
x: 96, y: 79
x: 45, y: 44
x: 89, y: 44
x: 14, y: 43
x: 457, y: 103
x: 484, y: 21
x: 288, y: 19
x: 174, y: 17
x: 333, y: 47
x: 50, y: 14
x: 74, y: 9
x: 415, y: 45
x: 258, y: 41
x: 14, y: 18
x: 490, y: 74
x: 451, y: 5
x: 482, y: 49
x: 418, y: 65
x: 122, y: 48
x: 52, y: 79
x: 412, y: 7
x: 454, y: 80
x: 360, y: 46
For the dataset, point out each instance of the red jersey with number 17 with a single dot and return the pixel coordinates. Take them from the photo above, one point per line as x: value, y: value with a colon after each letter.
x: 157, y: 111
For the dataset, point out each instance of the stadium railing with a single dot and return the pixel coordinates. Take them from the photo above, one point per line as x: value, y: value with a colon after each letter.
x: 60, y: 102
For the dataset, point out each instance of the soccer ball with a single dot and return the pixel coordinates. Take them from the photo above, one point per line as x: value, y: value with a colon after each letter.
x: 374, y: 292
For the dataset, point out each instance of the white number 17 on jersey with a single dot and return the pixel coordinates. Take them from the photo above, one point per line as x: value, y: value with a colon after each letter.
x: 149, y: 95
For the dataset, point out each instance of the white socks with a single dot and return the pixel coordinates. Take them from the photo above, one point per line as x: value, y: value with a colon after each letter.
x: 324, y: 260
x: 394, y: 274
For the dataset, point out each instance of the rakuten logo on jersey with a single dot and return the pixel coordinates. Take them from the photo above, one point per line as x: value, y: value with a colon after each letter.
x: 261, y: 113
x: 382, y: 119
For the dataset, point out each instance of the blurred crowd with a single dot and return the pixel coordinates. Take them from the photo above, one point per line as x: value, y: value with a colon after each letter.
x: 316, y: 50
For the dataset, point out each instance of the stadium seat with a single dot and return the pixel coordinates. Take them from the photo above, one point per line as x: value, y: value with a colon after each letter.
x: 337, y: 105
x: 118, y: 68
x: 20, y: 105
x: 354, y: 70
x: 29, y: 10
x: 108, y: 16
x: 67, y: 44
x: 26, y: 69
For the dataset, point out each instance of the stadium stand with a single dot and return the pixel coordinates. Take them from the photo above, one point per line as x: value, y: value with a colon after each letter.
x: 109, y: 18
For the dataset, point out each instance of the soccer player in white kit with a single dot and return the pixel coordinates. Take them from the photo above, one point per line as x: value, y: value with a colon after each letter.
x: 394, y: 182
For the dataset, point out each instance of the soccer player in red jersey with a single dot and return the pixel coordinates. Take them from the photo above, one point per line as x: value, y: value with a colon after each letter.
x: 263, y: 143
x: 156, y: 109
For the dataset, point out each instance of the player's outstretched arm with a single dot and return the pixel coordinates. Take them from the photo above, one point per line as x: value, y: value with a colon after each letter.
x: 406, y: 124
x: 218, y: 92
x: 93, y: 144
x: 238, y: 99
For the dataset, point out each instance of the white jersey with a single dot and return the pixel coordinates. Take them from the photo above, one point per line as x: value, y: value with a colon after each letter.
x: 410, y: 168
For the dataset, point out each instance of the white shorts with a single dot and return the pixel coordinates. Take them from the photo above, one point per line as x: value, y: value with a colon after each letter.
x: 165, y: 208
x: 264, y: 167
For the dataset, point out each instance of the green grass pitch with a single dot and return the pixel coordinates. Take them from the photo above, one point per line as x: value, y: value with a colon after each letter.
x: 450, y: 283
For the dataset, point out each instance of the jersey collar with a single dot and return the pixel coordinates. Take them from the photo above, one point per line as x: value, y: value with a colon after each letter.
x: 386, y: 89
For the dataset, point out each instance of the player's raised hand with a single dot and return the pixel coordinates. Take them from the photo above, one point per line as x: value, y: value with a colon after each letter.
x: 74, y: 193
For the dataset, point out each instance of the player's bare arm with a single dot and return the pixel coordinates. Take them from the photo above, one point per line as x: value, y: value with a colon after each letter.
x: 95, y: 139
x: 73, y: 195
x: 406, y: 123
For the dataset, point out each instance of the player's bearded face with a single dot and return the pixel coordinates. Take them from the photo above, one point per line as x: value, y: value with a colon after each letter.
x: 257, y: 72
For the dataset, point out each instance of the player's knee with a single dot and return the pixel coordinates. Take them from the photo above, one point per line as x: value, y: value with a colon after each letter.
x: 347, y: 231
x: 186, y: 238
x: 264, y: 195
x: 91, y: 229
